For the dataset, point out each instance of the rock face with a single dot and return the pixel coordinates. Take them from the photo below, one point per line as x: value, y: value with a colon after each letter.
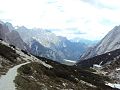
x: 109, y: 43
x: 14, y: 38
x: 37, y: 49
x: 41, y: 42
x: 9, y: 35
x: 3, y: 30
x: 60, y: 45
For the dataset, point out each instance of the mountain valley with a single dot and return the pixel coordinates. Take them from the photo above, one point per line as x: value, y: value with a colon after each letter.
x: 44, y: 74
x: 38, y: 59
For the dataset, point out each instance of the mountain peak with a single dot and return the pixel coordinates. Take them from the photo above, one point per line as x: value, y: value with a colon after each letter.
x: 109, y: 43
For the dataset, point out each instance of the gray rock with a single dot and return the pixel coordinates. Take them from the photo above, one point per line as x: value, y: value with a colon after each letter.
x: 109, y: 43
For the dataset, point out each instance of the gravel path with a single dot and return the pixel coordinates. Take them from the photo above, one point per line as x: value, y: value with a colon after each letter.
x: 6, y: 81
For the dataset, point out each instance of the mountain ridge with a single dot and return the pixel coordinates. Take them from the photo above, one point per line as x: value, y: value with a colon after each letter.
x: 109, y: 43
x: 59, y: 44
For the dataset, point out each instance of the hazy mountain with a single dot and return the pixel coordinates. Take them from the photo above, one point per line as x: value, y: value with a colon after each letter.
x: 85, y: 41
x: 39, y: 42
x: 71, y: 50
x: 39, y: 50
x: 10, y: 26
x: 109, y: 43
x: 9, y: 35
x: 61, y: 45
x: 47, y: 43
x: 3, y: 30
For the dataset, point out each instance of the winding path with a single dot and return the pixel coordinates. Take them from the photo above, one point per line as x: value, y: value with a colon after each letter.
x: 6, y: 81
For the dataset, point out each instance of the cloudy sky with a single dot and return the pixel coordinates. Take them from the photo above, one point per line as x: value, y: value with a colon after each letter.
x: 89, y: 19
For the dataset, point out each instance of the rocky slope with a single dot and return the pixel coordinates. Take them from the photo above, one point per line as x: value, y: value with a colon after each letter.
x: 9, y: 57
x: 62, y: 46
x: 47, y: 43
x: 58, y: 77
x: 39, y: 50
x: 45, y: 74
x: 109, y: 43
x: 103, y: 59
x: 9, y: 35
x: 107, y: 64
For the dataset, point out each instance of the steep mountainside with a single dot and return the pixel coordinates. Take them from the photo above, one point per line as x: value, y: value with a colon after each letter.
x: 14, y: 38
x: 10, y: 36
x: 37, y: 49
x: 107, y: 64
x: 61, y: 45
x: 103, y: 59
x: 10, y: 56
x: 109, y: 43
x: 47, y: 44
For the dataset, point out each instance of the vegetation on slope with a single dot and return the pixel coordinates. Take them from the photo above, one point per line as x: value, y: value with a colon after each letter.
x: 8, y: 57
x: 104, y: 58
x: 35, y: 76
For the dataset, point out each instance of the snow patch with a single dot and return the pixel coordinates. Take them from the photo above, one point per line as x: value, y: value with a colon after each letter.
x: 97, y: 66
x: 109, y: 54
x: 117, y: 69
x: 70, y: 61
x: 113, y: 85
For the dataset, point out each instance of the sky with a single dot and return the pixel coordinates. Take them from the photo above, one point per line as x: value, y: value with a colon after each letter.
x: 88, y: 19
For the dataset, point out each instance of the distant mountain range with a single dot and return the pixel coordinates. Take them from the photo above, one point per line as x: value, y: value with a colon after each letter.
x: 31, y: 46
x: 42, y: 42
x: 60, y: 46
x: 90, y: 43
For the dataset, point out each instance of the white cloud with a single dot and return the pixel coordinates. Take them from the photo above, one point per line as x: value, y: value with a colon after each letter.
x: 89, y: 19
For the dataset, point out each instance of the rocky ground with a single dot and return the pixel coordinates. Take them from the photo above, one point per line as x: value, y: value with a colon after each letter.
x: 8, y: 58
